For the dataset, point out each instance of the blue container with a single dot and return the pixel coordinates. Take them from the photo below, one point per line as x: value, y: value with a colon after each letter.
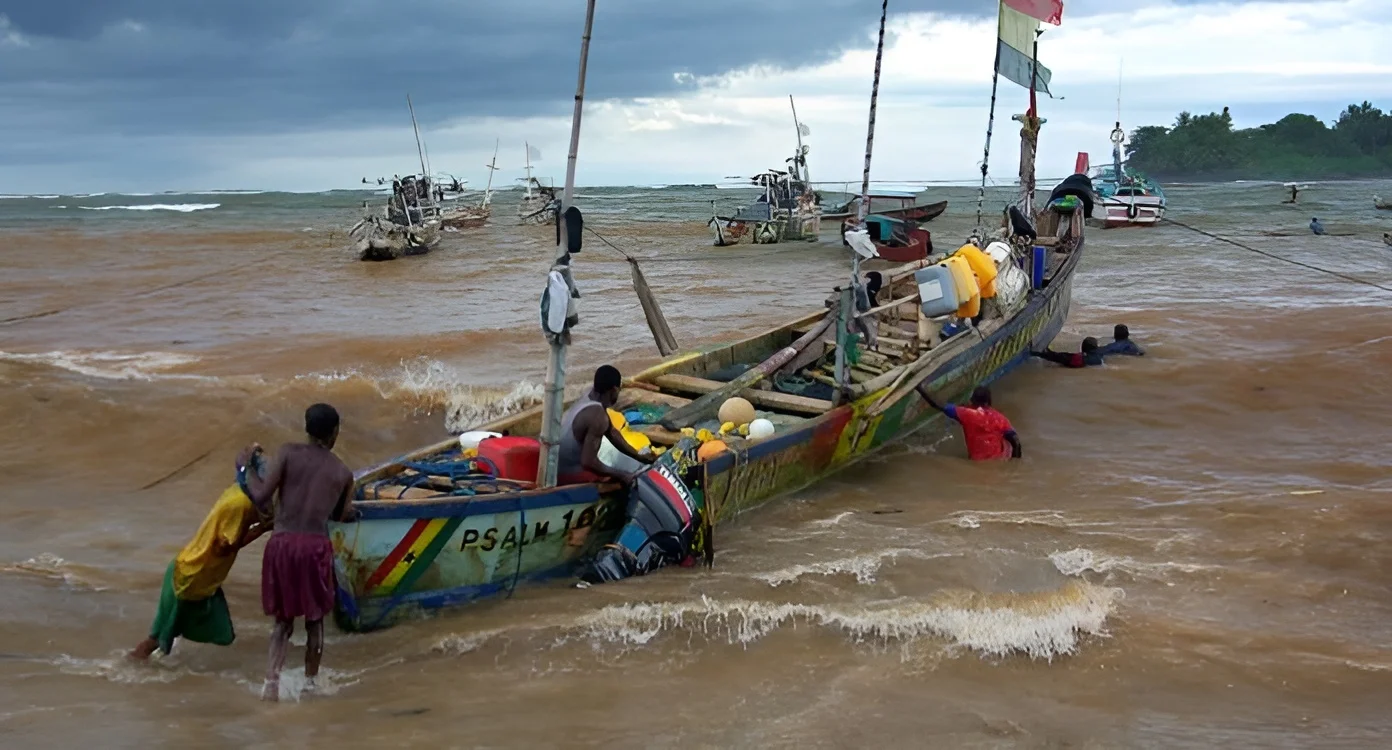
x: 1037, y: 273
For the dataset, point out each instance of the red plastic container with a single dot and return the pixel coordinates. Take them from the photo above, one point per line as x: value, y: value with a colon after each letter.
x: 515, y: 457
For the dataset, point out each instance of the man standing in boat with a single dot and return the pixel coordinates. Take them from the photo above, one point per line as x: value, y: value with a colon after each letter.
x: 989, y: 435
x: 297, y: 578
x: 583, y: 429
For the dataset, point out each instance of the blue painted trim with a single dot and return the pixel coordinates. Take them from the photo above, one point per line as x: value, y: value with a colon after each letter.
x: 478, y: 505
x: 379, y: 610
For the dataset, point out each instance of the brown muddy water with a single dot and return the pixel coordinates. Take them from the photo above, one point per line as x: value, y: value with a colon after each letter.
x: 1194, y: 552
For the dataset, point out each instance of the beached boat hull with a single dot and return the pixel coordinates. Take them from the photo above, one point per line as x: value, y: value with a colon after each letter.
x: 380, y: 242
x: 468, y: 217
x: 403, y: 558
x: 918, y: 214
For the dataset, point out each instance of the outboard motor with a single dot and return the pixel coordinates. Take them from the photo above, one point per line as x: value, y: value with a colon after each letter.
x: 664, y: 519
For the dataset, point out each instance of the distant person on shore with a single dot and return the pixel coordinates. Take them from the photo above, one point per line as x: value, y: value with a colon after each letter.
x: 1089, y: 355
x: 1316, y: 226
x: 1122, y: 343
x: 191, y: 604
x: 988, y: 434
x: 297, y: 578
x: 1295, y: 193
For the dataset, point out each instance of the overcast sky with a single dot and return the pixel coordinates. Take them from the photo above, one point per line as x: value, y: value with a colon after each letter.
x: 150, y: 95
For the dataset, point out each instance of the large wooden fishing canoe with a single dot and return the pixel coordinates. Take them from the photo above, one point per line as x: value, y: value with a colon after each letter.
x: 426, y: 542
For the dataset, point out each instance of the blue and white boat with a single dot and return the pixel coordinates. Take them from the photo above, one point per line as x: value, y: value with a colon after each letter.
x: 1128, y: 198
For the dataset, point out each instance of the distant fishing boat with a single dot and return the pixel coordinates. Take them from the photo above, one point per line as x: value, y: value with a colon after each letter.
x: 412, y: 213
x: 1381, y: 204
x: 897, y: 240
x: 539, y: 202
x: 472, y: 217
x: 376, y: 240
x: 788, y: 210
x: 1131, y: 200
x: 892, y: 203
x: 1128, y: 197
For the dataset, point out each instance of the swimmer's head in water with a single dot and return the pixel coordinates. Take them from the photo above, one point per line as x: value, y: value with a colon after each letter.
x: 981, y: 396
x: 1121, y: 332
x: 607, y: 381
x: 321, y: 422
x: 1089, y: 345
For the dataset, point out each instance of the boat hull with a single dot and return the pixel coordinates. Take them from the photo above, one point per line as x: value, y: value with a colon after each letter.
x: 1122, y: 212
x: 471, y: 217
x: 406, y: 558
x: 919, y: 214
x: 737, y: 482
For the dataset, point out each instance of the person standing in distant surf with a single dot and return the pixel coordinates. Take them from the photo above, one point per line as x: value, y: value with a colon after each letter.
x: 297, y: 577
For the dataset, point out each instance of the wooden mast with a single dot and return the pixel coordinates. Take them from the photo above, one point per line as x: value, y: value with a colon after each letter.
x: 554, y: 398
x: 847, y: 311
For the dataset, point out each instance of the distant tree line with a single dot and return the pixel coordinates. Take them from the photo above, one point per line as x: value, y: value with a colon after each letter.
x: 1296, y: 147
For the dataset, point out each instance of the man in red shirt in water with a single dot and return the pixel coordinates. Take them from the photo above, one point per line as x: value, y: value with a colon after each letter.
x: 988, y: 433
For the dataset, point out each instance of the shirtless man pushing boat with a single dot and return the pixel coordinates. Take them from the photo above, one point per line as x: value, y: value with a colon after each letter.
x: 297, y: 578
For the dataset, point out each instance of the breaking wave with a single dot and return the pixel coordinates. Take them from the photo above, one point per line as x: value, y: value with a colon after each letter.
x: 1041, y: 625
x: 863, y: 567
x: 53, y: 568
x: 1077, y: 561
x: 427, y: 385
x: 110, y: 365
x: 180, y: 207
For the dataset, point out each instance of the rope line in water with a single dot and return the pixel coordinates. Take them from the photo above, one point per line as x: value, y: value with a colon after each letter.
x: 1273, y: 256
x: 716, y: 256
x: 200, y: 277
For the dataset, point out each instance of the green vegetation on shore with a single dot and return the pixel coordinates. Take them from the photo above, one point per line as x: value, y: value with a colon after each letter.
x: 1294, y: 148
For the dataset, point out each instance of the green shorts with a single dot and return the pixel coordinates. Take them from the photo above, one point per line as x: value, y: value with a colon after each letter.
x: 200, y: 620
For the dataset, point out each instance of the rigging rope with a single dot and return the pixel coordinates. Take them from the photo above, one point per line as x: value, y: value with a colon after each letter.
x: 657, y: 322
x: 990, y: 125
x: 1273, y: 256
x: 200, y: 277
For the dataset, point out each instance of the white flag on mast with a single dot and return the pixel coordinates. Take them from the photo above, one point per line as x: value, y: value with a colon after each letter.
x: 533, y: 152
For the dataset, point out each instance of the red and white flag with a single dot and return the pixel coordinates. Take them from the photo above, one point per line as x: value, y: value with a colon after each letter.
x: 1048, y: 11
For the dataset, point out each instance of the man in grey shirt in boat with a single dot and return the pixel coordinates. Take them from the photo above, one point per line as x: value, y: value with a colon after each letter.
x: 583, y: 429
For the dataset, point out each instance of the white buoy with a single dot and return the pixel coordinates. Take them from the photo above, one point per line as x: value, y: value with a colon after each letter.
x: 760, y: 429
x: 471, y: 440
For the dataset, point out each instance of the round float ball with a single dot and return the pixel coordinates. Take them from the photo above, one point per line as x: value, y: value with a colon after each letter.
x: 760, y: 429
x: 737, y: 410
x: 710, y: 450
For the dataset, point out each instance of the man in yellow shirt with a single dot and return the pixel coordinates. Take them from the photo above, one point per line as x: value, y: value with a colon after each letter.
x: 192, y: 604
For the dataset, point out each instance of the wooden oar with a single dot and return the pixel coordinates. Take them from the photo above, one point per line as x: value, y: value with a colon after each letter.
x: 708, y: 404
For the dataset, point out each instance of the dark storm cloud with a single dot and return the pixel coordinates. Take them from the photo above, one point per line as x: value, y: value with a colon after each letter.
x: 155, y: 67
